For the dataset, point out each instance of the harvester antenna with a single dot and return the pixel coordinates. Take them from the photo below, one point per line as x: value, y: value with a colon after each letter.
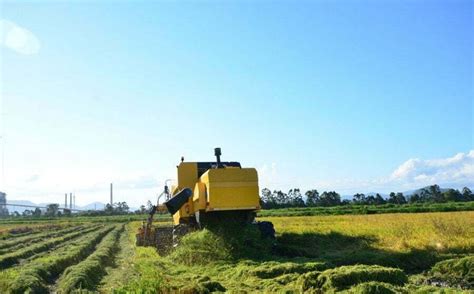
x: 217, y: 153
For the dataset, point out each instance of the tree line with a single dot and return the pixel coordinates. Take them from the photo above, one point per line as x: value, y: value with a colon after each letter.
x: 312, y: 198
x: 53, y: 210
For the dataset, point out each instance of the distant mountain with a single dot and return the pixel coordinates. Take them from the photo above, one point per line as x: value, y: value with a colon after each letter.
x: 386, y: 195
x: 21, y: 202
x: 93, y: 206
x: 375, y: 193
x: 90, y: 206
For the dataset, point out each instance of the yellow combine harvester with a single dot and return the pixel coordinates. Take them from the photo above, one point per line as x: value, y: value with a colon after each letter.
x: 207, y: 194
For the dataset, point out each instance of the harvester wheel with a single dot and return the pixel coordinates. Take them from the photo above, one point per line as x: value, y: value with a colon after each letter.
x: 266, y: 230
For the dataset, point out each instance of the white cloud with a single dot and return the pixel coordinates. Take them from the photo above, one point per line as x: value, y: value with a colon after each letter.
x: 19, y: 39
x: 456, y: 170
x: 451, y: 172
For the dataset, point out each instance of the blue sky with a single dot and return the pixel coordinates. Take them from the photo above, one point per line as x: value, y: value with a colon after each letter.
x: 355, y: 96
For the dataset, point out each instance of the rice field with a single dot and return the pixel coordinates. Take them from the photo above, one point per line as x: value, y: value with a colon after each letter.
x: 382, y: 253
x: 440, y: 232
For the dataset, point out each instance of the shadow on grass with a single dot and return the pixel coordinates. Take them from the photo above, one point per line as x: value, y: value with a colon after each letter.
x: 340, y: 249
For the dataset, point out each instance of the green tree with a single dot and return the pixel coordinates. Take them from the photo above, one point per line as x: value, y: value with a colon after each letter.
x: 401, y: 199
x: 452, y: 195
x: 122, y: 207
x: 52, y: 209
x: 27, y: 212
x: 37, y: 212
x: 330, y: 198
x: 142, y: 209
x: 436, y: 194
x: 392, y: 198
x: 432, y: 194
x: 109, y: 209
x: 346, y: 202
x: 295, y: 198
x: 66, y: 212
x: 281, y: 198
x: 397, y: 198
x: 467, y: 194
x: 415, y: 198
x: 312, y: 198
x: 267, y: 200
x: 370, y: 200
x: 359, y: 198
x: 379, y: 199
x: 149, y: 205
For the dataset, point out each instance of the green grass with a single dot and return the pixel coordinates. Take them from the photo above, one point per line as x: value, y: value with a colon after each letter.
x: 369, y: 209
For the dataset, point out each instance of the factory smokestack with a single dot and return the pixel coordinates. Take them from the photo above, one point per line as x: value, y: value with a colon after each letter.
x: 74, y: 198
x: 70, y: 200
x: 111, y: 195
x: 65, y: 200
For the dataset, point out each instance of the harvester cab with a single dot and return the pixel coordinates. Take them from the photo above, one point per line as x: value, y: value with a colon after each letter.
x: 205, y: 194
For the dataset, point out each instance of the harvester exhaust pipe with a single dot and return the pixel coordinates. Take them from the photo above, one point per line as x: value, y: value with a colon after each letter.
x: 175, y: 203
x: 217, y: 153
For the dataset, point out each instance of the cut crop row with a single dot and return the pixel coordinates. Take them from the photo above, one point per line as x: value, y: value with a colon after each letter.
x: 16, y: 232
x: 13, y: 245
x: 57, y: 248
x: 7, y: 242
x: 33, y: 236
x: 12, y: 258
x: 35, y: 277
x: 88, y: 273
